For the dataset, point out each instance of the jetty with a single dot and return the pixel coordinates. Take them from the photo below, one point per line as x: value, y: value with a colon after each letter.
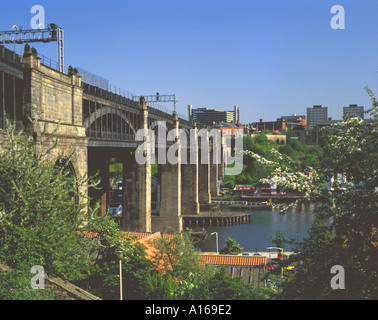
x: 215, y: 218
x: 243, y: 205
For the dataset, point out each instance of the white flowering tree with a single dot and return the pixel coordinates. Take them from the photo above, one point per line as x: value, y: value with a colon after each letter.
x: 345, y: 191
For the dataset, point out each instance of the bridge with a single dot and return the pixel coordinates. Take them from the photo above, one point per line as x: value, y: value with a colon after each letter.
x: 100, y: 125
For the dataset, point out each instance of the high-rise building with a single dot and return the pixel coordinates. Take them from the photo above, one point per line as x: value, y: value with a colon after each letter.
x: 316, y: 114
x: 353, y: 109
x: 236, y: 114
x: 209, y: 116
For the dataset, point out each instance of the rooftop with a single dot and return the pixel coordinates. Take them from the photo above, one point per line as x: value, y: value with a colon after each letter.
x: 231, y: 260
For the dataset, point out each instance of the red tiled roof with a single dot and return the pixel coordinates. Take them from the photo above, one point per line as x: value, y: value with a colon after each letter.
x: 137, y: 235
x: 229, y: 260
x: 140, y: 236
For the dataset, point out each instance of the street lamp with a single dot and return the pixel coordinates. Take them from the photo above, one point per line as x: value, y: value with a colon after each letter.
x: 216, y: 238
x: 120, y: 256
x: 282, y: 250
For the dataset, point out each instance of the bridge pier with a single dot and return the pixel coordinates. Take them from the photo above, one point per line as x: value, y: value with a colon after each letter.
x: 138, y: 186
x: 170, y: 191
x: 190, y: 179
x: 204, y: 172
x: 214, y: 186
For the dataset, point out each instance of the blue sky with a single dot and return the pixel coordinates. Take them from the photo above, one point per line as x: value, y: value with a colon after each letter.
x: 270, y: 58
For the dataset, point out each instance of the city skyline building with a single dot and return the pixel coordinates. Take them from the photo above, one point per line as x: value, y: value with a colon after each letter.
x: 209, y: 115
x: 316, y: 114
x: 354, y: 109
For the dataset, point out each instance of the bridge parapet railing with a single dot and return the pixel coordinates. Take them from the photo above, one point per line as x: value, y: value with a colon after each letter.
x: 106, y: 135
x: 103, y: 93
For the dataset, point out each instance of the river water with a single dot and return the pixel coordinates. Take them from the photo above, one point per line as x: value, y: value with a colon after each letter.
x: 264, y: 224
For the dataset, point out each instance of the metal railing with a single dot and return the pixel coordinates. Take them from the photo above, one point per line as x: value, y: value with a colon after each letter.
x: 108, y: 135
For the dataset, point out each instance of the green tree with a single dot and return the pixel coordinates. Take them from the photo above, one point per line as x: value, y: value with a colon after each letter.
x: 231, y: 247
x: 345, y: 231
x: 41, y: 206
x: 138, y: 273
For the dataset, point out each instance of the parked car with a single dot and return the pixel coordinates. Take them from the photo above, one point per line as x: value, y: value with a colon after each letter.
x: 115, y: 209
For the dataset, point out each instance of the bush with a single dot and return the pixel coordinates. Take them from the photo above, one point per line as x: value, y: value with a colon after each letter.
x: 297, y: 146
x: 39, y: 207
x: 231, y: 247
x: 286, y: 149
x: 15, y: 285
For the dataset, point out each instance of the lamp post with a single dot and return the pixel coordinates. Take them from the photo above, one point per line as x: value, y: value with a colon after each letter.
x: 120, y: 256
x: 216, y: 238
x: 282, y: 250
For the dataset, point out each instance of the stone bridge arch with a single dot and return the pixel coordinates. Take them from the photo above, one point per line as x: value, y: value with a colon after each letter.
x: 103, y: 112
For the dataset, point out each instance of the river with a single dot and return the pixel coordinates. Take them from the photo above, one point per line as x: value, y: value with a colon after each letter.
x: 264, y: 224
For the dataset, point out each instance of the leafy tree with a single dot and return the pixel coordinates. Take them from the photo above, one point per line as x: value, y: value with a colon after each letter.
x: 345, y: 232
x: 221, y: 286
x: 186, y: 277
x: 231, y: 247
x: 286, y: 149
x: 138, y: 272
x: 41, y: 206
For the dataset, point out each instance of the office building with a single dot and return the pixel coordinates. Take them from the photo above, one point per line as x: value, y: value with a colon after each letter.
x: 316, y: 114
x: 210, y: 116
x: 353, y: 109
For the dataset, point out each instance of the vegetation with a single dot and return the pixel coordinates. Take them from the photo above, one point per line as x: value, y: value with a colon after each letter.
x: 231, y: 247
x: 39, y: 205
x: 189, y: 278
x: 15, y: 285
x: 292, y: 153
x: 42, y: 214
x: 345, y: 231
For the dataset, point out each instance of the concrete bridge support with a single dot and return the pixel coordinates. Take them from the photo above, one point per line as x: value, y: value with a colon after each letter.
x: 190, y: 188
x: 190, y: 178
x: 204, y: 172
x: 137, y: 195
x: 170, y: 218
x: 138, y: 185
x: 214, y: 173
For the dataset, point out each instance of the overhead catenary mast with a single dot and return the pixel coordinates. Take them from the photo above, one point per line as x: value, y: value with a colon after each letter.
x: 52, y: 33
x: 157, y: 98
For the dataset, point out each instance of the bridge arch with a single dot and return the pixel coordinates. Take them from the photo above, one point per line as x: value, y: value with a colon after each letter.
x: 96, y: 115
